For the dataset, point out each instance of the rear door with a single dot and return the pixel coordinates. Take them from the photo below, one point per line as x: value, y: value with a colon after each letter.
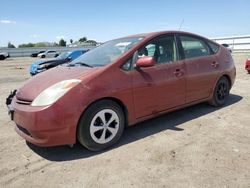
x: 162, y: 86
x: 201, y: 65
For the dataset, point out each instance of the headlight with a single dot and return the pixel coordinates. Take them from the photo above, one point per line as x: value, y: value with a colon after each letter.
x: 54, y: 92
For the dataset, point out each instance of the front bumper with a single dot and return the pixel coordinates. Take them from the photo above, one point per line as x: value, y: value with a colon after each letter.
x: 44, y: 126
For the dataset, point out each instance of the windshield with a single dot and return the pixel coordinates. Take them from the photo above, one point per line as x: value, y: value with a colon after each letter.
x: 63, y: 55
x: 107, y: 52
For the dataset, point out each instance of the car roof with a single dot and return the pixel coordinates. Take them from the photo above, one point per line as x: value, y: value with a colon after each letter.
x: 154, y: 34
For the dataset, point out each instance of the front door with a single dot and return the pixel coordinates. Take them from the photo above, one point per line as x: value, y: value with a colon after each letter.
x: 162, y: 86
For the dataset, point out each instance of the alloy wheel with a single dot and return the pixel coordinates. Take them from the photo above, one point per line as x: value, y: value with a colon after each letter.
x: 222, y: 91
x: 104, y: 126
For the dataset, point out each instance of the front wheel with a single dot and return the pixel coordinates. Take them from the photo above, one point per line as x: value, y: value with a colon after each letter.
x: 221, y: 92
x: 101, y: 125
x: 248, y: 71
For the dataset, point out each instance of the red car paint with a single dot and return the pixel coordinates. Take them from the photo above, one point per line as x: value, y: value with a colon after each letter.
x: 144, y: 93
x: 247, y: 66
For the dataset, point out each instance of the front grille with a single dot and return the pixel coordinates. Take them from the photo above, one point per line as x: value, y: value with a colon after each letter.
x: 25, y: 131
x: 24, y: 102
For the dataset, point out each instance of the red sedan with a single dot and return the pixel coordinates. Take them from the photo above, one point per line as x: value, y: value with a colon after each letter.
x: 247, y: 67
x: 120, y: 83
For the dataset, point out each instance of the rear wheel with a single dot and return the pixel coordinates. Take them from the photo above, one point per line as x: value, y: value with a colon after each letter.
x: 248, y: 71
x: 221, y: 92
x: 101, y: 125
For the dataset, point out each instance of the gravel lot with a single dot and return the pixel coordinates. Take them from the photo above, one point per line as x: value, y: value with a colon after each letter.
x: 199, y: 146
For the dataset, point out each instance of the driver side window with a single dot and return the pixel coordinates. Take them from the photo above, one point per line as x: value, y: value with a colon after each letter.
x: 163, y: 49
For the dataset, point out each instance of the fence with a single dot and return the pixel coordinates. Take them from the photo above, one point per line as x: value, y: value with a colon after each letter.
x: 237, y: 44
x: 25, y: 52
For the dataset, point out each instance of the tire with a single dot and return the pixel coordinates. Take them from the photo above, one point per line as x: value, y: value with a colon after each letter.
x: 221, y: 92
x: 248, y: 71
x: 96, y: 135
x: 43, y: 56
x: 2, y: 57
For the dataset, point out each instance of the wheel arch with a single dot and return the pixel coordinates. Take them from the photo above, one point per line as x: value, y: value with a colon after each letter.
x: 120, y: 103
x: 116, y: 100
x: 219, y: 77
x: 228, y: 78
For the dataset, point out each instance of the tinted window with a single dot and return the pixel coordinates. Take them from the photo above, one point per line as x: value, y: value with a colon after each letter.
x: 213, y: 46
x: 163, y: 49
x: 194, y: 47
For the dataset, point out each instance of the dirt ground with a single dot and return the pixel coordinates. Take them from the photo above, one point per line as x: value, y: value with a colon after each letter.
x: 199, y: 146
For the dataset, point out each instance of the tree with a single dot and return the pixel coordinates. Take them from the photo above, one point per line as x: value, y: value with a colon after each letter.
x: 91, y: 42
x: 62, y: 42
x: 71, y: 41
x: 26, y: 45
x: 83, y: 39
x: 10, y: 45
x: 40, y: 44
x: 54, y: 44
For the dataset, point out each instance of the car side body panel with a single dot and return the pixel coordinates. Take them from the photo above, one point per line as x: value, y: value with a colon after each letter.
x: 143, y: 93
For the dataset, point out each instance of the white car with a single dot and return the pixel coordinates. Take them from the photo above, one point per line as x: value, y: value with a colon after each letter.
x: 48, y: 53
x: 4, y: 55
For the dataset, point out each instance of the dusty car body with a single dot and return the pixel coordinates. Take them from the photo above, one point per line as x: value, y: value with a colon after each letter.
x: 120, y: 83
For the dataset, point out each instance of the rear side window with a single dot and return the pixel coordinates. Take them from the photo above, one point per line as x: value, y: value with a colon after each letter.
x: 194, y: 47
x: 213, y: 46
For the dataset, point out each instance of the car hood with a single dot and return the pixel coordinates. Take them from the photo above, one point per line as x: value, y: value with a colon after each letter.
x: 35, y: 85
x: 41, y: 62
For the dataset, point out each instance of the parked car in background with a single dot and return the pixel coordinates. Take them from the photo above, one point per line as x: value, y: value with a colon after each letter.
x: 228, y: 47
x: 40, y: 65
x: 36, y: 53
x: 4, y: 55
x: 247, y: 66
x: 120, y: 83
x: 48, y: 53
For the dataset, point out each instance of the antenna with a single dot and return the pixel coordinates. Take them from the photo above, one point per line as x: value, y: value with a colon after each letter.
x: 181, y: 24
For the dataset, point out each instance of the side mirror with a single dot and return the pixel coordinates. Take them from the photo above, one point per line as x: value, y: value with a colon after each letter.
x: 145, y: 61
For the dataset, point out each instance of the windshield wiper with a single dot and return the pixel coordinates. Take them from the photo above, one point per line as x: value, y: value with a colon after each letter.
x: 83, y: 64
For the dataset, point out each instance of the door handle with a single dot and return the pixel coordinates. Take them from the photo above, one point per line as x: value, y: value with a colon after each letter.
x: 178, y: 72
x: 215, y: 64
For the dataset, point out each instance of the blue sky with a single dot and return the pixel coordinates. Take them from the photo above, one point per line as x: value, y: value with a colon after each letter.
x: 23, y: 21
